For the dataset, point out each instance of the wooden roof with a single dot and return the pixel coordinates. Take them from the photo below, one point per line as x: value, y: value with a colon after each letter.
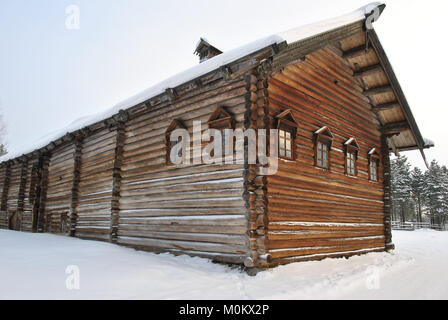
x: 367, y: 59
x: 363, y: 52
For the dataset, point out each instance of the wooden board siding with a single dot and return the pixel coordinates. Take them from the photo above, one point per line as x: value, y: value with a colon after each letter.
x: 197, y: 209
x: 59, y: 190
x: 4, y: 176
x: 95, y: 185
x: 14, y: 187
x: 314, y: 213
x: 29, y: 195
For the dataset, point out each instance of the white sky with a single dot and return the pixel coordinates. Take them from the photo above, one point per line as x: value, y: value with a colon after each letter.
x: 50, y: 76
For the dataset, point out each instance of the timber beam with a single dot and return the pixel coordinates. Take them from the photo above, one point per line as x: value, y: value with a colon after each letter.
x: 394, y: 128
x: 385, y: 106
x: 368, y: 71
x: 378, y: 90
x: 356, y: 52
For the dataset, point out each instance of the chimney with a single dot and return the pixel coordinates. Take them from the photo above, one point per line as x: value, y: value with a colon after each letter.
x: 205, y: 50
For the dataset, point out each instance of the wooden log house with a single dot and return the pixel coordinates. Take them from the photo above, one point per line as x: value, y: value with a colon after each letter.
x: 330, y: 91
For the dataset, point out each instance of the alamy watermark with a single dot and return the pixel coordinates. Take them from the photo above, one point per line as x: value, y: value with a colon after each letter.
x: 73, y: 17
x: 225, y: 147
x: 73, y: 280
x: 373, y: 278
x: 373, y: 13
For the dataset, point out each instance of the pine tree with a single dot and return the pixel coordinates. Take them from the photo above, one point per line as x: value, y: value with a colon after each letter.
x: 436, y: 190
x: 418, y: 191
x: 401, y: 186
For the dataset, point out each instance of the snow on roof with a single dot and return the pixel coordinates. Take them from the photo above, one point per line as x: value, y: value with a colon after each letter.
x: 372, y: 151
x: 428, y: 142
x: 321, y: 130
x: 349, y: 141
x: 208, y: 66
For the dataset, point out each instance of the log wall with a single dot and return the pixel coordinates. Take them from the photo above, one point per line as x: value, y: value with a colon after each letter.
x: 315, y: 213
x: 59, y: 188
x: 95, y: 185
x: 196, y: 209
x: 4, y: 181
x: 14, y: 187
x: 29, y: 195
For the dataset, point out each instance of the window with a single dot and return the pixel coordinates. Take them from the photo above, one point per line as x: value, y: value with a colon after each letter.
x: 322, y: 155
x: 351, y: 159
x: 175, y: 124
x: 374, y: 161
x: 285, y: 144
x: 323, y: 143
x: 287, y: 131
x: 351, y: 149
x: 221, y: 120
x: 373, y: 171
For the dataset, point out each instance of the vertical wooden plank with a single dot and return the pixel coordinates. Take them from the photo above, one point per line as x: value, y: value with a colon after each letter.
x: 75, y: 188
x: 4, y: 204
x: 43, y: 185
x: 4, y: 197
x: 37, y: 191
x: 116, y: 187
x: 21, y: 195
x: 387, y: 193
x: 257, y: 106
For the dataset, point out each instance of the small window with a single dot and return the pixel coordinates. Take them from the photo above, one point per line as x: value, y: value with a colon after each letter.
x: 351, y: 149
x: 374, y: 162
x: 351, y: 161
x: 322, y: 154
x: 221, y: 120
x: 175, y: 124
x: 323, y: 143
x: 287, y: 131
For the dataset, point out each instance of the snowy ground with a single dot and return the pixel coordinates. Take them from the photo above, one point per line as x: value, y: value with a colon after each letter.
x: 33, y: 266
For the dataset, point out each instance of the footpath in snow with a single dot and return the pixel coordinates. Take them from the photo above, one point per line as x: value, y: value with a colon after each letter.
x: 34, y: 266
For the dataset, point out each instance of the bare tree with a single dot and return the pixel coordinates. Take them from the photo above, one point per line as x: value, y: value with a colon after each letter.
x: 3, y: 149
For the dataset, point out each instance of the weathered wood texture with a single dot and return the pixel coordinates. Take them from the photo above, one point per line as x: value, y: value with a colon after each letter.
x: 59, y: 188
x: 4, y: 182
x: 313, y: 212
x: 29, y: 194
x: 95, y: 185
x: 196, y: 209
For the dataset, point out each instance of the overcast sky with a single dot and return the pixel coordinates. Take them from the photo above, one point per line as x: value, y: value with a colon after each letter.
x: 51, y: 75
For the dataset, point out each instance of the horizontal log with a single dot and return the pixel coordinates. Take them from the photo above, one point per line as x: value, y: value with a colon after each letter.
x: 395, y: 127
x: 369, y: 70
x: 385, y: 106
x: 356, y: 52
x: 378, y: 90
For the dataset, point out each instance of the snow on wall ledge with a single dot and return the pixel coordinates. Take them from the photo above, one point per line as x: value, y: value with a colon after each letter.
x: 291, y: 36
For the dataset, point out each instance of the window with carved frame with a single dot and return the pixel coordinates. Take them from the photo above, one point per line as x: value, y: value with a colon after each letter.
x: 323, y: 142
x: 175, y: 124
x: 374, y: 164
x: 287, y: 127
x: 220, y: 120
x: 351, y: 149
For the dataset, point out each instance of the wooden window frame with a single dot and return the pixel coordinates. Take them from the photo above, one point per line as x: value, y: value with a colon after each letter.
x: 325, y: 137
x: 374, y: 156
x: 286, y: 122
x: 221, y: 123
x: 351, y: 147
x: 175, y: 124
x: 217, y: 122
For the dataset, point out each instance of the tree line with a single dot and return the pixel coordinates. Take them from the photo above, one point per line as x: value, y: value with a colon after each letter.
x: 419, y: 196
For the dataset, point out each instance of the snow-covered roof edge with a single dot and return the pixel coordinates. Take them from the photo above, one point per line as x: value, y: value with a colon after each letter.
x: 291, y: 36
